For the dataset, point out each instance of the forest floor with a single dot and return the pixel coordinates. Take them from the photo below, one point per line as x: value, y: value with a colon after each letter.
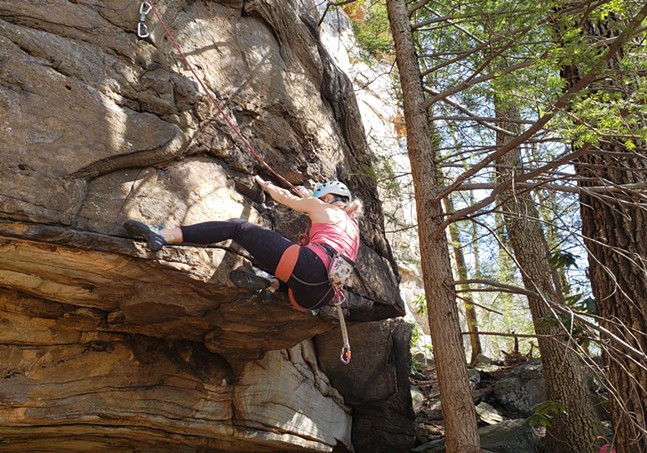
x: 429, y: 421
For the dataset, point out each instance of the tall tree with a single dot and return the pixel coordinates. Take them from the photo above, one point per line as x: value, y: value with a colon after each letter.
x: 574, y: 425
x: 462, y: 273
x: 613, y: 211
x: 458, y: 408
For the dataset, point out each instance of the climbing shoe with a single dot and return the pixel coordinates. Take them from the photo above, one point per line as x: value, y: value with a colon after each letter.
x: 249, y: 279
x: 139, y: 230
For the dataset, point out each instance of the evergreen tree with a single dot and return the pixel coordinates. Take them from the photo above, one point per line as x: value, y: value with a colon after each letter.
x: 459, y: 413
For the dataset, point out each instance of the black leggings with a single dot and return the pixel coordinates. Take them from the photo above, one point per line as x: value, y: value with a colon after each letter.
x: 309, y: 280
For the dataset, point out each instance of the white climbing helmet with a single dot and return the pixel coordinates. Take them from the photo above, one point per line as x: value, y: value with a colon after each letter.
x: 332, y: 187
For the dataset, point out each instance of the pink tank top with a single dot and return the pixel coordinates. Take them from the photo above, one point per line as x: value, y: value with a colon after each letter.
x: 342, y: 236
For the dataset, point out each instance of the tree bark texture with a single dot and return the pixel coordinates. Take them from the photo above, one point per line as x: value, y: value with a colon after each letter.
x: 576, y: 427
x: 461, y: 270
x: 458, y: 408
x: 613, y: 226
x: 614, y: 232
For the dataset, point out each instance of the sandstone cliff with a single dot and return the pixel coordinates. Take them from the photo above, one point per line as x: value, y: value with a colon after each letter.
x: 105, y: 346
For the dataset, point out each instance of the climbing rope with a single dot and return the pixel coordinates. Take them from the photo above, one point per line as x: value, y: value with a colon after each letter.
x: 142, y: 32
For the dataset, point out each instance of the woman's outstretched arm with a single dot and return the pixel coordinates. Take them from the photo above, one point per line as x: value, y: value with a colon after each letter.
x: 285, y: 197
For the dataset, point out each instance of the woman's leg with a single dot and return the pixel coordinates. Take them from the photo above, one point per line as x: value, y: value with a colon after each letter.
x: 309, y: 281
x: 265, y: 246
x: 172, y: 235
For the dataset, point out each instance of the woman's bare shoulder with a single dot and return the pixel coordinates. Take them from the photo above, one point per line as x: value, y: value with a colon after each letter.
x: 327, y: 213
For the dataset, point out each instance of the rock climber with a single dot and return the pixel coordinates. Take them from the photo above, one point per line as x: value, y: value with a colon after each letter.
x: 333, y: 214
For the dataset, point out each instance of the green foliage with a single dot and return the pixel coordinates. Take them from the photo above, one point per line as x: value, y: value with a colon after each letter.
x: 470, y: 54
x: 371, y: 29
x: 560, y: 259
x: 417, y: 338
x: 613, y: 106
x: 603, y: 112
x: 581, y: 303
x: 421, y: 305
x: 483, y: 40
x: 544, y: 413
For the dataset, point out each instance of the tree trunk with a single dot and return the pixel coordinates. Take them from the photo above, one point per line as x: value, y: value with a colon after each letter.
x: 613, y: 225
x: 548, y: 214
x: 457, y: 405
x: 615, y: 239
x: 574, y: 428
x: 461, y: 271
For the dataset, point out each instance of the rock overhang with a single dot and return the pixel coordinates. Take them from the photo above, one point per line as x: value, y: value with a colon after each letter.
x: 179, y: 293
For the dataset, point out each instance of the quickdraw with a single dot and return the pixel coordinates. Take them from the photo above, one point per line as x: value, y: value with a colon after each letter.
x: 345, y: 355
x: 339, y: 271
x: 142, y: 28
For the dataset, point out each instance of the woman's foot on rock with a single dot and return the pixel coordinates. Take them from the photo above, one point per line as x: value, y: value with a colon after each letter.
x: 249, y: 280
x: 139, y: 230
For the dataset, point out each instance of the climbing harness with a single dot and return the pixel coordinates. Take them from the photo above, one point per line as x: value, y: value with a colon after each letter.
x: 339, y: 272
x: 142, y: 28
x: 285, y: 268
x: 287, y: 262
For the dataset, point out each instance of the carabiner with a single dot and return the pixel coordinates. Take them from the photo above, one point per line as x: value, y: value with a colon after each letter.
x: 144, y: 9
x: 345, y: 350
x: 345, y: 354
x: 142, y: 30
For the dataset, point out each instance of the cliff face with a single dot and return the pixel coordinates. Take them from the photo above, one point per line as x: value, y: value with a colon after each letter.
x: 105, y: 346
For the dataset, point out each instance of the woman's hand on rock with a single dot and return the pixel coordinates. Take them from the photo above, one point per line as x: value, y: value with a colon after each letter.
x: 261, y: 182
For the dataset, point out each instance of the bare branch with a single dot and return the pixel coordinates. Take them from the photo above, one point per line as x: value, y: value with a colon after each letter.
x: 639, y: 355
x: 560, y: 187
x: 495, y: 286
x: 417, y: 6
x: 509, y: 183
x: 331, y: 4
x: 483, y: 307
x: 476, y: 80
x: 559, y: 105
x: 482, y: 121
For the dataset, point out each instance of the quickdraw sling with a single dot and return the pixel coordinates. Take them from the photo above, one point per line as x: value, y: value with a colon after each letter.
x: 339, y: 271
